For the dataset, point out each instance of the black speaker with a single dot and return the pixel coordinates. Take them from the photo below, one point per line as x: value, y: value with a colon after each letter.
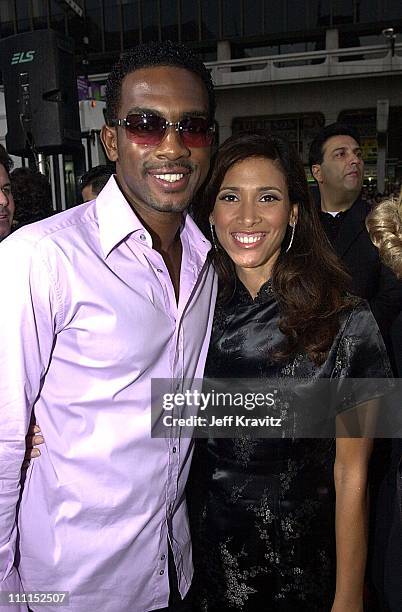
x: 40, y: 89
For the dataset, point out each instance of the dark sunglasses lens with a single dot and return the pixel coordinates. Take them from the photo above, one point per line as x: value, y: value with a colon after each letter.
x: 196, y: 132
x: 145, y: 129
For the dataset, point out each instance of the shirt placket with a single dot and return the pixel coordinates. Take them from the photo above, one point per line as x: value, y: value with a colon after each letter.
x: 174, y: 441
x: 176, y: 376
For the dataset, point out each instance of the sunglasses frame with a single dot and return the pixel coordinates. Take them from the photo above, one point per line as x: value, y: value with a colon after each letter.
x: 177, y: 125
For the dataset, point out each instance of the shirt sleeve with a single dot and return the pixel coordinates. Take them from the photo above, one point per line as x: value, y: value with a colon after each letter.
x: 28, y: 313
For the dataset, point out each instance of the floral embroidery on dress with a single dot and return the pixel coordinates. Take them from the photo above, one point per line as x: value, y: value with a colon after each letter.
x: 237, y: 590
x: 243, y: 447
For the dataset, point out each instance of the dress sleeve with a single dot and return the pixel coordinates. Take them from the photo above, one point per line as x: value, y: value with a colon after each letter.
x: 362, y: 376
x: 361, y: 351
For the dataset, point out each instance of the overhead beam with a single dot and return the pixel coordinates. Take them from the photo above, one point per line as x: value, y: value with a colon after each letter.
x: 73, y: 5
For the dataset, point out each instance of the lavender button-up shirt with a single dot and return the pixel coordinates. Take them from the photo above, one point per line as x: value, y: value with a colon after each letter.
x: 88, y: 316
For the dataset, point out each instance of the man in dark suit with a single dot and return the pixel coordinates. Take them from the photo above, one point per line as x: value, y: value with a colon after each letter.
x: 336, y: 164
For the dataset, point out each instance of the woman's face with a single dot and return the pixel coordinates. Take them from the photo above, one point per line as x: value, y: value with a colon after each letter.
x: 251, y: 214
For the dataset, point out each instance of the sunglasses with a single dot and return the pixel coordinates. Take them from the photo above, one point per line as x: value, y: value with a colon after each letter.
x: 149, y: 129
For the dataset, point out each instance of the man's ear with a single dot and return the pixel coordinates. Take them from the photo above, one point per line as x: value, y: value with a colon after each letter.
x: 109, y: 140
x: 316, y: 172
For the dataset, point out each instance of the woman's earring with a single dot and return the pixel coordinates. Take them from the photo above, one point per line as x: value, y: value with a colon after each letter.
x: 291, y: 238
x: 213, y: 236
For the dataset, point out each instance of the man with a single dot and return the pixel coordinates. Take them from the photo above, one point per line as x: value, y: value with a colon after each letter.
x: 93, y: 181
x: 6, y: 198
x: 336, y: 164
x: 101, y: 299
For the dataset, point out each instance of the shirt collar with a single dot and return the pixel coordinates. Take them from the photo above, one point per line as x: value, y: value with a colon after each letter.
x: 116, y: 218
x: 197, y: 243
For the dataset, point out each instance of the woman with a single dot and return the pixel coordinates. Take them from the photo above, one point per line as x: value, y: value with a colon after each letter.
x: 384, y: 224
x: 266, y: 513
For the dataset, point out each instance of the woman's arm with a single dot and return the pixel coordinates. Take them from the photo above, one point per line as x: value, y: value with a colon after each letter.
x: 350, y: 474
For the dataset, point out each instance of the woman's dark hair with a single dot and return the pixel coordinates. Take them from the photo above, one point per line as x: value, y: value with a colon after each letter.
x: 309, y: 282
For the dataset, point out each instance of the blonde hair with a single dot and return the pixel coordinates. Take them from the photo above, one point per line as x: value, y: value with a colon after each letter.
x: 384, y: 224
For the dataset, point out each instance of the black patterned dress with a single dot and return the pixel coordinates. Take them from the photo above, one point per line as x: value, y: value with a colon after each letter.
x: 262, y: 510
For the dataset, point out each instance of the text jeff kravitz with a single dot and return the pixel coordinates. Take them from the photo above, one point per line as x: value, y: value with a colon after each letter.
x: 225, y: 421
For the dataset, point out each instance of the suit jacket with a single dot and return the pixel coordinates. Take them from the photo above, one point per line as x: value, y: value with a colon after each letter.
x: 371, y: 280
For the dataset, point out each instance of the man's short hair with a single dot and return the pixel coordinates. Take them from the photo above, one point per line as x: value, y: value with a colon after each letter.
x: 5, y: 159
x: 149, y: 55
x: 316, y: 152
x: 97, y: 177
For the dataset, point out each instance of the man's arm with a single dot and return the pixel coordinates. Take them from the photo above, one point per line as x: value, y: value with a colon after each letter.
x: 28, y: 312
x: 387, y: 303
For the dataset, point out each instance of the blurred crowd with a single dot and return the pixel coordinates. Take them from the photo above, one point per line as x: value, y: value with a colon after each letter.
x: 26, y: 194
x: 373, y: 197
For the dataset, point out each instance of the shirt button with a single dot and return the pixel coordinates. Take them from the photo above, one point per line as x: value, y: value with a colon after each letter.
x: 174, y: 449
x: 162, y: 572
x: 143, y: 237
x: 159, y: 270
x: 163, y: 557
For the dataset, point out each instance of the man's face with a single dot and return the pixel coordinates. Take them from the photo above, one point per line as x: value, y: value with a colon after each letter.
x: 163, y: 177
x: 6, y: 203
x: 342, y: 166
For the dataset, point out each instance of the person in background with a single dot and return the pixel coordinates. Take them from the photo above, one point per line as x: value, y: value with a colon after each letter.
x: 336, y: 164
x: 7, y: 206
x: 93, y: 181
x: 32, y: 196
x: 384, y: 224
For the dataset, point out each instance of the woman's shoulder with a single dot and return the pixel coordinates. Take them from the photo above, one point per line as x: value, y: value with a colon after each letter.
x: 360, y: 349
x: 358, y: 317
